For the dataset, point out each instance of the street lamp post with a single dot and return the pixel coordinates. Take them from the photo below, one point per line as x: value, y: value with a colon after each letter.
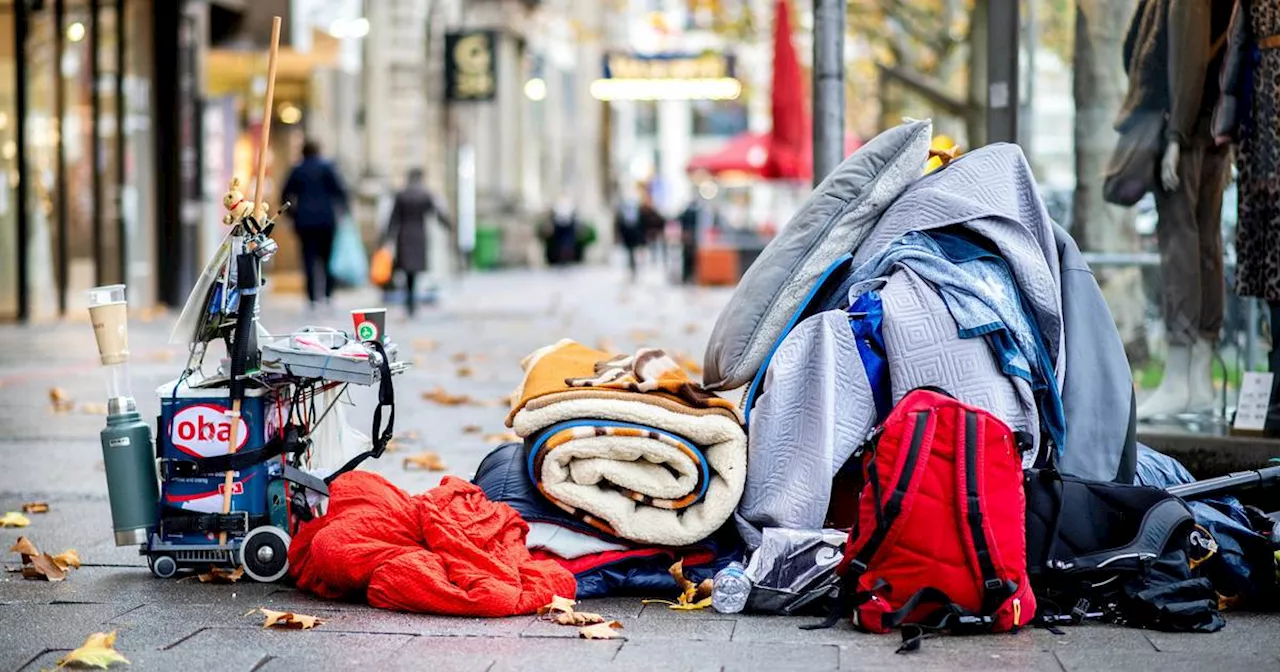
x: 828, y: 86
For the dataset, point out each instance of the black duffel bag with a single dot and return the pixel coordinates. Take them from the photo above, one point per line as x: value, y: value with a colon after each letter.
x: 1119, y: 553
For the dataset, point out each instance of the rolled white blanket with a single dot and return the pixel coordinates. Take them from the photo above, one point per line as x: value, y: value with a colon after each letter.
x: 648, y: 472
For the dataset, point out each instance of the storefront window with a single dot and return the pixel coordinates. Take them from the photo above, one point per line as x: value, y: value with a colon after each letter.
x: 40, y: 178
x: 9, y: 240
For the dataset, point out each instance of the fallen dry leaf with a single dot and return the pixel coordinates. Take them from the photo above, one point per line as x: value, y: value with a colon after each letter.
x: 289, y: 620
x: 458, y: 357
x: 97, y: 651
x: 14, y: 519
x: 25, y: 547
x: 601, y: 631
x: 558, y: 605
x: 159, y: 355
x: 93, y: 408
x: 504, y: 437
x: 66, y: 559
x: 577, y: 618
x: 425, y: 460
x: 222, y: 575
x: 472, y: 429
x: 43, y: 566
x: 37, y: 565
x: 425, y: 344
x: 692, y: 328
x: 35, y: 507
x: 465, y: 372
x: 60, y: 400
x: 440, y: 396
x: 692, y: 596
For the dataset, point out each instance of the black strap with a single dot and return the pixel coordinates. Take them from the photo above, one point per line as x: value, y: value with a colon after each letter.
x: 386, y: 397
x: 994, y: 590
x: 948, y: 617
x: 850, y: 598
x: 301, y: 478
x: 177, y: 521
x: 894, y: 506
x: 289, y: 443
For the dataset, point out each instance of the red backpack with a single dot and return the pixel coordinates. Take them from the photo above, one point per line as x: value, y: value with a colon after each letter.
x: 940, y: 539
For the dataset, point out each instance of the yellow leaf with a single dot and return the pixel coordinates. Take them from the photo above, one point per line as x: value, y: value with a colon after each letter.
x: 601, y: 631
x: 504, y: 437
x: 691, y: 606
x: 60, y: 400
x: 472, y: 429
x: 427, y: 460
x: 692, y: 328
x: 67, y: 559
x: 25, y: 547
x: 289, y: 620
x: 577, y: 618
x: 14, y: 519
x: 425, y: 344
x: 97, y: 651
x: 465, y: 372
x: 35, y: 507
x: 93, y: 408
x: 559, y: 605
x: 222, y: 575
x: 459, y: 357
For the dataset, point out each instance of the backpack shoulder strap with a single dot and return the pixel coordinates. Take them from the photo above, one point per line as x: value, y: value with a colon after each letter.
x: 994, y: 590
x: 1157, y: 527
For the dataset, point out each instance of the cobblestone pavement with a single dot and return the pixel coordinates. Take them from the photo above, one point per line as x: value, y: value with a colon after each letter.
x: 470, y: 344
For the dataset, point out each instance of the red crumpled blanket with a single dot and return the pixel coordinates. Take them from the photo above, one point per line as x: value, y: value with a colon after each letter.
x: 447, y: 551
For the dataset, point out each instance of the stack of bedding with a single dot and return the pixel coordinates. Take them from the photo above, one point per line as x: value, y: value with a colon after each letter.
x: 629, y: 444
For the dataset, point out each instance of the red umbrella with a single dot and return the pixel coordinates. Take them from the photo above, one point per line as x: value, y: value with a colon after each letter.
x: 786, y: 151
x: 790, y: 139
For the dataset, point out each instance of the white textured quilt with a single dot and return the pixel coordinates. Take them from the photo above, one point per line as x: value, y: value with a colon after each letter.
x: 636, y: 469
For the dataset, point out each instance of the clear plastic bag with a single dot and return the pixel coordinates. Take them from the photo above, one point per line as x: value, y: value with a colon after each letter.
x: 794, y: 571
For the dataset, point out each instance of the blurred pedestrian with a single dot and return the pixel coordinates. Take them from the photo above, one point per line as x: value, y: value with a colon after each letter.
x: 560, y: 234
x: 633, y: 224
x: 695, y: 219
x: 407, y: 230
x: 317, y: 197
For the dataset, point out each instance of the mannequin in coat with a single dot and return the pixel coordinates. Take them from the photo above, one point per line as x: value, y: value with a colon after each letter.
x: 1174, y: 53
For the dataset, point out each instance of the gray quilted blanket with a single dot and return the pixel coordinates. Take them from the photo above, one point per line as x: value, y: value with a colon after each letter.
x: 817, y: 406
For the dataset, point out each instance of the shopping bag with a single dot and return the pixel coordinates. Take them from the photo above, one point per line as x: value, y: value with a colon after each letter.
x: 381, y: 266
x: 348, y: 264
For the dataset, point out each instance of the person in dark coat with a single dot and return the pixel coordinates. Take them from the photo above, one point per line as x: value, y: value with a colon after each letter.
x: 317, y: 196
x: 561, y: 233
x: 695, y: 219
x: 407, y: 231
x: 632, y: 225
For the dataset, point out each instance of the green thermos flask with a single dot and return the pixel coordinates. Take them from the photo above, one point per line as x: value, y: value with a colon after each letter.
x: 130, y: 463
x: 127, y: 452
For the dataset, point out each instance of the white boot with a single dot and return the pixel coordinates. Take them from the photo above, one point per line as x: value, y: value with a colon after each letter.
x: 1174, y: 393
x: 1201, y: 396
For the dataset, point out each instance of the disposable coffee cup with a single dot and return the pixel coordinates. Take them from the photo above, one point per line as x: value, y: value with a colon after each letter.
x: 109, y: 313
x: 370, y: 323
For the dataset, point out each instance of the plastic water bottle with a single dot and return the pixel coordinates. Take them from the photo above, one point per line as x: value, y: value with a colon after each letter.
x: 729, y: 595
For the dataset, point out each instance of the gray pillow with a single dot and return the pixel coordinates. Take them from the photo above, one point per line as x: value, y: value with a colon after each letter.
x: 831, y: 223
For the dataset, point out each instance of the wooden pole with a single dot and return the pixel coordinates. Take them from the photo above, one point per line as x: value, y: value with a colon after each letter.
x: 267, y: 112
x: 233, y: 440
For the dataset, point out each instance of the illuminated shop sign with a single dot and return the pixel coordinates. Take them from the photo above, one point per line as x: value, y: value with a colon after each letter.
x: 470, y: 66
x: 667, y: 77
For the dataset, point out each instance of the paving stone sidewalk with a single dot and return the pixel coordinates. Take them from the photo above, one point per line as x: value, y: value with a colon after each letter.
x: 470, y: 344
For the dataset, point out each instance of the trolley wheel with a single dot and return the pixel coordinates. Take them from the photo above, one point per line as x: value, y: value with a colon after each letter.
x: 163, y: 566
x: 264, y: 553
